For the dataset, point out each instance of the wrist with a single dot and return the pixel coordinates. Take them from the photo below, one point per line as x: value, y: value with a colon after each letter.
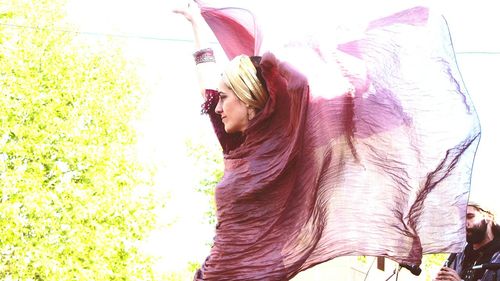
x: 204, y: 55
x: 196, y: 20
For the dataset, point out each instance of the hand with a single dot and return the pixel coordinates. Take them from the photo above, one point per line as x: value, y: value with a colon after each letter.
x: 201, y: 32
x: 190, y: 11
x: 447, y: 274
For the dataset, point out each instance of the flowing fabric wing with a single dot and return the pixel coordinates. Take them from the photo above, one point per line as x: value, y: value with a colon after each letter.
x: 230, y: 22
x: 363, y: 149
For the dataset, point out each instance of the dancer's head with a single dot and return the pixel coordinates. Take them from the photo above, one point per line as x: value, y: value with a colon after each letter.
x: 242, y: 92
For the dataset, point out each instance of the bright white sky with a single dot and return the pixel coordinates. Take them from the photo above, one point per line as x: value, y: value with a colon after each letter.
x: 174, y: 112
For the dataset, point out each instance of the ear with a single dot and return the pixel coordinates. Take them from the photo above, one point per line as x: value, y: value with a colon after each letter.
x: 488, y: 217
x: 251, y: 112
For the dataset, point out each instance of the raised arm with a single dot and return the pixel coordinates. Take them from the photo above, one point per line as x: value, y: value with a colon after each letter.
x: 206, y: 67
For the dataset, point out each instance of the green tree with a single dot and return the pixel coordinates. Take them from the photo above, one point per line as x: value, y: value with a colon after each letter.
x: 209, y: 169
x: 74, y: 200
x: 432, y: 261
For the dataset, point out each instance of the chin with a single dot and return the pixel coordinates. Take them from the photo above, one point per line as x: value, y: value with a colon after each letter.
x: 229, y: 130
x: 232, y: 130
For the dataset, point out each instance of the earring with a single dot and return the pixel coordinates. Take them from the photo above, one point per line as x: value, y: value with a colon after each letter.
x: 250, y: 113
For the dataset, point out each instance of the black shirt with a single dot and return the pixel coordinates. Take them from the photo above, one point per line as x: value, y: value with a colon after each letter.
x: 476, y: 257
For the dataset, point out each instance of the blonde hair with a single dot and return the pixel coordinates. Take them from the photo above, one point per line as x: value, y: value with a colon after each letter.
x: 241, y: 76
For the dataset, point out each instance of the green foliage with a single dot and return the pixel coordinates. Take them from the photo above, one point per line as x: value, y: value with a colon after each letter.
x: 361, y: 259
x: 185, y: 274
x: 74, y: 201
x: 210, y: 169
x: 430, y: 262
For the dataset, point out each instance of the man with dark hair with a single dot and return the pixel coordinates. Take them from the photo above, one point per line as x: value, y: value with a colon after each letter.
x: 483, y: 247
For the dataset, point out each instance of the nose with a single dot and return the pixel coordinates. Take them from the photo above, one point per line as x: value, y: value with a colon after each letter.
x: 468, y: 224
x: 218, y: 107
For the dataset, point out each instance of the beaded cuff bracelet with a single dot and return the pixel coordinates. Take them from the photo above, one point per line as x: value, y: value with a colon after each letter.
x: 204, y: 55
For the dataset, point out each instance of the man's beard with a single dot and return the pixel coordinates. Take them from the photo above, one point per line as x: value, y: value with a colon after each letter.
x: 477, y: 233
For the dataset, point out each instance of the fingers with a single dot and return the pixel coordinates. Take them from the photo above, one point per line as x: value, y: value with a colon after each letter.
x: 189, y: 10
x: 182, y: 13
x: 187, y: 6
x: 447, y: 274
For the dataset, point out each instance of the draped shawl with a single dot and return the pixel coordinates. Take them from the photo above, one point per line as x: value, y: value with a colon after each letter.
x: 364, y: 149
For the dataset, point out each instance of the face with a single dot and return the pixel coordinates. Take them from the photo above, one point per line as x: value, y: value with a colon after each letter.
x: 476, y: 226
x: 234, y: 113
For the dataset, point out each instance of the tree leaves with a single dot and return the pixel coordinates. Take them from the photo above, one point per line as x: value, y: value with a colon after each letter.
x: 69, y: 209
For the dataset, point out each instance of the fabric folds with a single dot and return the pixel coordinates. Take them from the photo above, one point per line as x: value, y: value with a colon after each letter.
x: 363, y: 149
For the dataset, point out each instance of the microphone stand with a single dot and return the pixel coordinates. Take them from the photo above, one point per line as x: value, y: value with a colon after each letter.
x: 396, y: 270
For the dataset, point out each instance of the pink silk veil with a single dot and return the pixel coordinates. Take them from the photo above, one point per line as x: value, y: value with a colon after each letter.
x: 363, y: 149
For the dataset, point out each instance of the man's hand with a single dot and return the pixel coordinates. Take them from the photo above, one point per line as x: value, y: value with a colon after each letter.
x: 447, y: 274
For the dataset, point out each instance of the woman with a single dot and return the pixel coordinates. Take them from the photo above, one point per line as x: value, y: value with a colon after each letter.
x: 318, y: 164
x: 235, y: 98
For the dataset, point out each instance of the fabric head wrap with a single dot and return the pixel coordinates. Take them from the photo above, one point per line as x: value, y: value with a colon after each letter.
x: 241, y: 76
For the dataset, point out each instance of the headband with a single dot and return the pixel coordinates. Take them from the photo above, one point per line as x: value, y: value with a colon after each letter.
x: 241, y: 76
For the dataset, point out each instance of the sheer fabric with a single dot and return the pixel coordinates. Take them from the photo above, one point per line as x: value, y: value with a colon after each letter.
x: 364, y: 149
